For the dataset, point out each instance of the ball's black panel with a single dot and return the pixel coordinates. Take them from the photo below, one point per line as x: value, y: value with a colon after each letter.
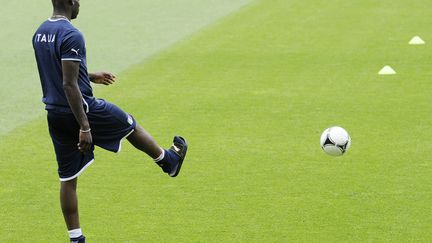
x: 328, y: 141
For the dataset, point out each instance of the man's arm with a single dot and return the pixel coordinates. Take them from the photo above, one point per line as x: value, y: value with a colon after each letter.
x: 105, y: 78
x: 73, y: 94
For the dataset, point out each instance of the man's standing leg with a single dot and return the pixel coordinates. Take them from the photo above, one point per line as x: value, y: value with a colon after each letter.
x: 69, y: 205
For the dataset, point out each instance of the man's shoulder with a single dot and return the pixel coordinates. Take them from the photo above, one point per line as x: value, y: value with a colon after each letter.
x: 72, y: 33
x: 62, y: 26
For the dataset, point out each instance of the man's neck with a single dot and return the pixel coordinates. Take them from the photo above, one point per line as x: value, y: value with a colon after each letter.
x: 61, y: 14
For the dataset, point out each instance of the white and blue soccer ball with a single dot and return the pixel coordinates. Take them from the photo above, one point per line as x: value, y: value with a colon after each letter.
x: 335, y: 141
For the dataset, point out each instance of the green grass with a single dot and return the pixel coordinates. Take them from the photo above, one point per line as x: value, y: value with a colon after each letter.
x: 119, y: 37
x: 255, y: 91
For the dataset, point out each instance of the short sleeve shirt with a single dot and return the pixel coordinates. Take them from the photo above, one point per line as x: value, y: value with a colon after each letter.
x: 53, y: 42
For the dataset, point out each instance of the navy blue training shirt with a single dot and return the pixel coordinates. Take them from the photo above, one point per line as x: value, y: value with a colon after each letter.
x: 56, y: 40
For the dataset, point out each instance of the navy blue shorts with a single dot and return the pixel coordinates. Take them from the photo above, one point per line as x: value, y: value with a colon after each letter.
x: 109, y: 125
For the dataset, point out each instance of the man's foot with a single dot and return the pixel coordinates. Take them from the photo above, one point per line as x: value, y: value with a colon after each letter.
x: 173, y: 160
x: 80, y: 239
x: 179, y: 147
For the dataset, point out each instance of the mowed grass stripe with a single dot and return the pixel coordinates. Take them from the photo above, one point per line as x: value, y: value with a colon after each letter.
x: 117, y: 37
x: 252, y: 96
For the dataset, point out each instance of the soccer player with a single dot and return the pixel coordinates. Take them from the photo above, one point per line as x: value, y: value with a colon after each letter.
x: 77, y: 121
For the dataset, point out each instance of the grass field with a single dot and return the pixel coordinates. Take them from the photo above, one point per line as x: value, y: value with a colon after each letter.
x: 255, y: 90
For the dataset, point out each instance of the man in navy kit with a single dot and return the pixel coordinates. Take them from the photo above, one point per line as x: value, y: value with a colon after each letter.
x: 77, y: 121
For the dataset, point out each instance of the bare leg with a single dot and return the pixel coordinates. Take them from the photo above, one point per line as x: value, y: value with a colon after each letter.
x: 69, y: 203
x: 143, y: 141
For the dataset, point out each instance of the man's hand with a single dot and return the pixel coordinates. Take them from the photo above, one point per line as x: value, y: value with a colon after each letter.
x: 105, y: 78
x: 85, y: 141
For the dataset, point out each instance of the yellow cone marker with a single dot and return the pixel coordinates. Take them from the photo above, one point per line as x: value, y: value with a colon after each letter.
x: 387, y: 70
x: 416, y: 40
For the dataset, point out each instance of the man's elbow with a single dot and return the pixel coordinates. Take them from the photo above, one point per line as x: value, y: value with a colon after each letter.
x: 68, y: 87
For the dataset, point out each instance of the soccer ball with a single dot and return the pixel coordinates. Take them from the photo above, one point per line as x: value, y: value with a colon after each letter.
x: 335, y: 141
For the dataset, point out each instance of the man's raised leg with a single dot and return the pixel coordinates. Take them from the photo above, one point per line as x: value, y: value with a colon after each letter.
x: 169, y: 160
x: 143, y: 141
